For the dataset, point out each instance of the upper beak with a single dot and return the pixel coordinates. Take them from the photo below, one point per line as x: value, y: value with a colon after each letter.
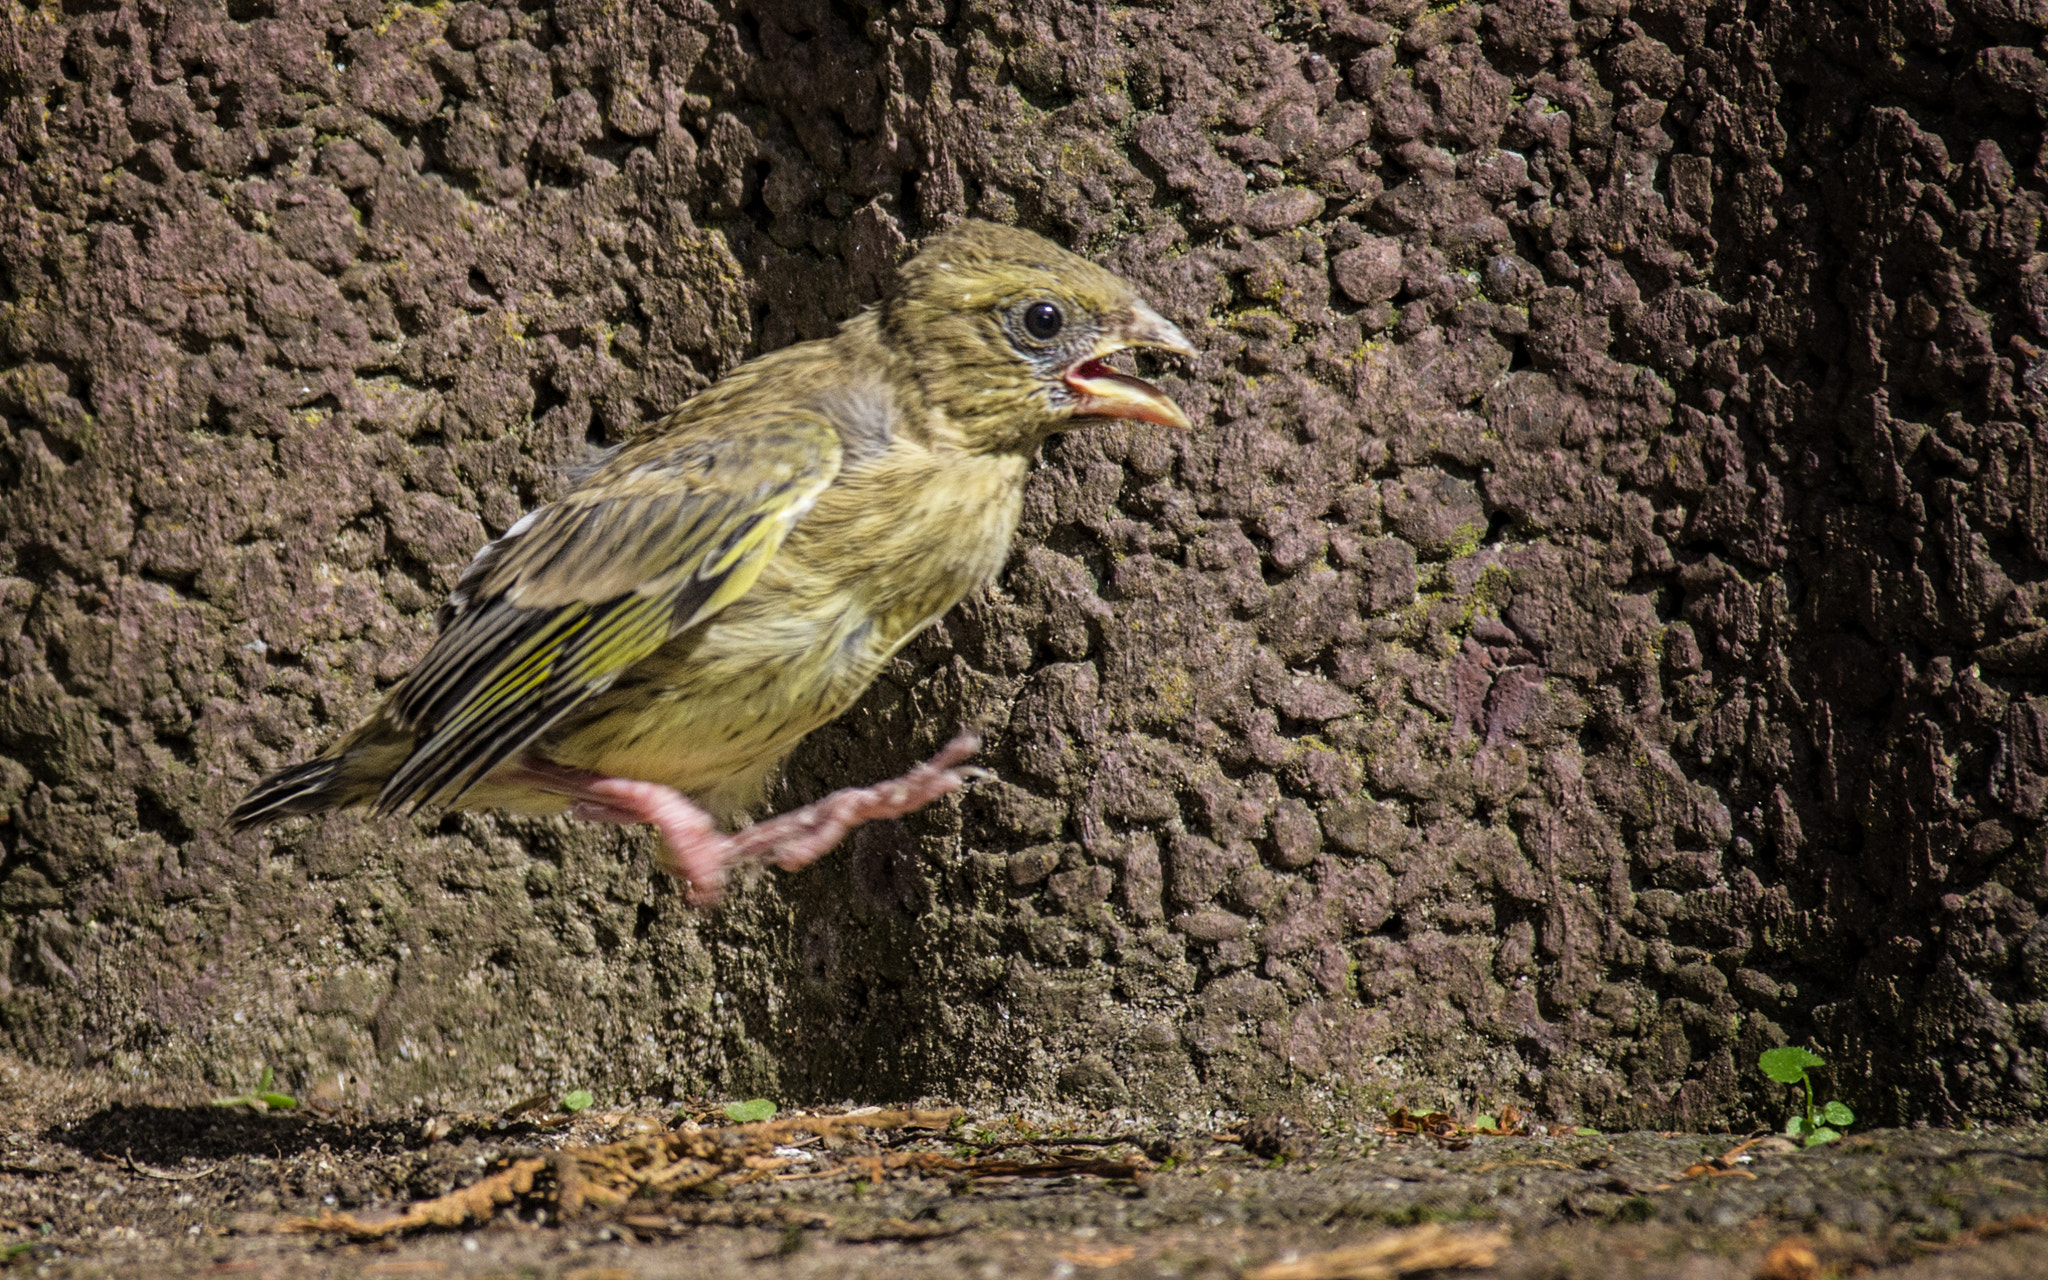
x: 1102, y: 392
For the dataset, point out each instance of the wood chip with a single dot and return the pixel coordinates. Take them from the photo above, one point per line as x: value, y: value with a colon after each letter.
x: 1792, y: 1258
x: 1723, y: 1165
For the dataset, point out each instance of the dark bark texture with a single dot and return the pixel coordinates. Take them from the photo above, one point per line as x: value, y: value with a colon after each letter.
x: 1595, y: 631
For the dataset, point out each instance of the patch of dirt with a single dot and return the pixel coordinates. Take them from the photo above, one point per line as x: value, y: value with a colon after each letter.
x: 92, y: 1188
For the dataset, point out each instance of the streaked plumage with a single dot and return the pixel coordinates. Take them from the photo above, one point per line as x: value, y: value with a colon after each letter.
x: 735, y: 576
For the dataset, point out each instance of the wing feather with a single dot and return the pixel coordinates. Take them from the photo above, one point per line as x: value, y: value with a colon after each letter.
x: 670, y: 531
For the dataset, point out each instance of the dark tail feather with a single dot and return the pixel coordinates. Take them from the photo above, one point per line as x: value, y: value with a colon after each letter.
x: 311, y: 787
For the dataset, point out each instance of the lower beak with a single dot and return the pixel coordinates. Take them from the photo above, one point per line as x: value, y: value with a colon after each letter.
x: 1102, y: 392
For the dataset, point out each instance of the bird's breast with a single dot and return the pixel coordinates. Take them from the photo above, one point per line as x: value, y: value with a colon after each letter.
x: 901, y: 542
x: 886, y: 550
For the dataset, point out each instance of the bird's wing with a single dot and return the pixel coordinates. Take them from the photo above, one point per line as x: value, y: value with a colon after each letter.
x: 670, y: 531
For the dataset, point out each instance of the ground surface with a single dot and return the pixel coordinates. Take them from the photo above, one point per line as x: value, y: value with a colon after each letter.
x: 93, y: 1185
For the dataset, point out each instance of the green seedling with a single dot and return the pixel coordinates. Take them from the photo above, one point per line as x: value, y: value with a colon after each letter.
x: 1811, y: 1126
x: 577, y: 1100
x: 264, y: 1097
x: 751, y: 1111
x: 26, y: 1254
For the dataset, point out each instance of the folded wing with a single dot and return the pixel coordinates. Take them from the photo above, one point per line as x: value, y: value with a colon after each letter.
x: 660, y: 538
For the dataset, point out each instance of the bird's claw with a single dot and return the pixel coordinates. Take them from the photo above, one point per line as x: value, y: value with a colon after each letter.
x: 802, y: 836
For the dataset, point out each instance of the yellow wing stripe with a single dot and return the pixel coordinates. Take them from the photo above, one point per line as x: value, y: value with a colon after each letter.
x: 744, y: 565
x: 534, y: 663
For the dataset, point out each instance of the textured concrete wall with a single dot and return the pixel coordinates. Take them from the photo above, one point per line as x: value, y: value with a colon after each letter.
x: 1595, y: 631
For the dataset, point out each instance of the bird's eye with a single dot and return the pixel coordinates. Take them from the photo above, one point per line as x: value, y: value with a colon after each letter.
x: 1043, y: 321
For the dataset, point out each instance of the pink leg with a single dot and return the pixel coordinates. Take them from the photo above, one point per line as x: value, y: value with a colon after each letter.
x: 802, y: 836
x: 699, y: 853
x: 697, y: 850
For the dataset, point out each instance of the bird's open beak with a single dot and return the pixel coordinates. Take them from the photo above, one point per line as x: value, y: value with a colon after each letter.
x: 1102, y: 392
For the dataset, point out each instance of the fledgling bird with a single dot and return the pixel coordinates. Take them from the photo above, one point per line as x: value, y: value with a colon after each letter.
x: 651, y: 646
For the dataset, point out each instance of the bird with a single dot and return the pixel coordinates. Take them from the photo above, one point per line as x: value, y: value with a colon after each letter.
x: 651, y: 646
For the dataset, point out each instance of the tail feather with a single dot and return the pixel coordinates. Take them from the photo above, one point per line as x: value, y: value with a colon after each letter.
x: 350, y: 773
x: 312, y: 787
x: 303, y: 788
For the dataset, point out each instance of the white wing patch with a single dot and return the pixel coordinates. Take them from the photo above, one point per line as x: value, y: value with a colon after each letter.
x: 458, y: 599
x: 523, y: 523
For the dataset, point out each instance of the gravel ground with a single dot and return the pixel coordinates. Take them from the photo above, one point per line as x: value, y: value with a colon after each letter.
x: 94, y: 1183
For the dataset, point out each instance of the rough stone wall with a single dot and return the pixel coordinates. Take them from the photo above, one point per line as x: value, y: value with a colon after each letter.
x: 1595, y: 630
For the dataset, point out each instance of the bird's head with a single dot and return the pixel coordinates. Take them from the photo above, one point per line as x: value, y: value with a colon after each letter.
x: 1010, y: 335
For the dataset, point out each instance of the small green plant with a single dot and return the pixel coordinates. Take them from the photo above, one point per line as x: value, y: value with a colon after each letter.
x: 751, y: 1111
x: 26, y: 1254
x: 1809, y: 1125
x: 264, y: 1097
x: 577, y: 1100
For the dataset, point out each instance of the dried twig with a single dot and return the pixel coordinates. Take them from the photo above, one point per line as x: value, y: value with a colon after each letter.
x: 1426, y: 1248
x: 159, y: 1175
x: 693, y: 1159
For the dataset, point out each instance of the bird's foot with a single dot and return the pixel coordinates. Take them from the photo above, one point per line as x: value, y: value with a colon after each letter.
x: 802, y: 836
x: 699, y: 853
